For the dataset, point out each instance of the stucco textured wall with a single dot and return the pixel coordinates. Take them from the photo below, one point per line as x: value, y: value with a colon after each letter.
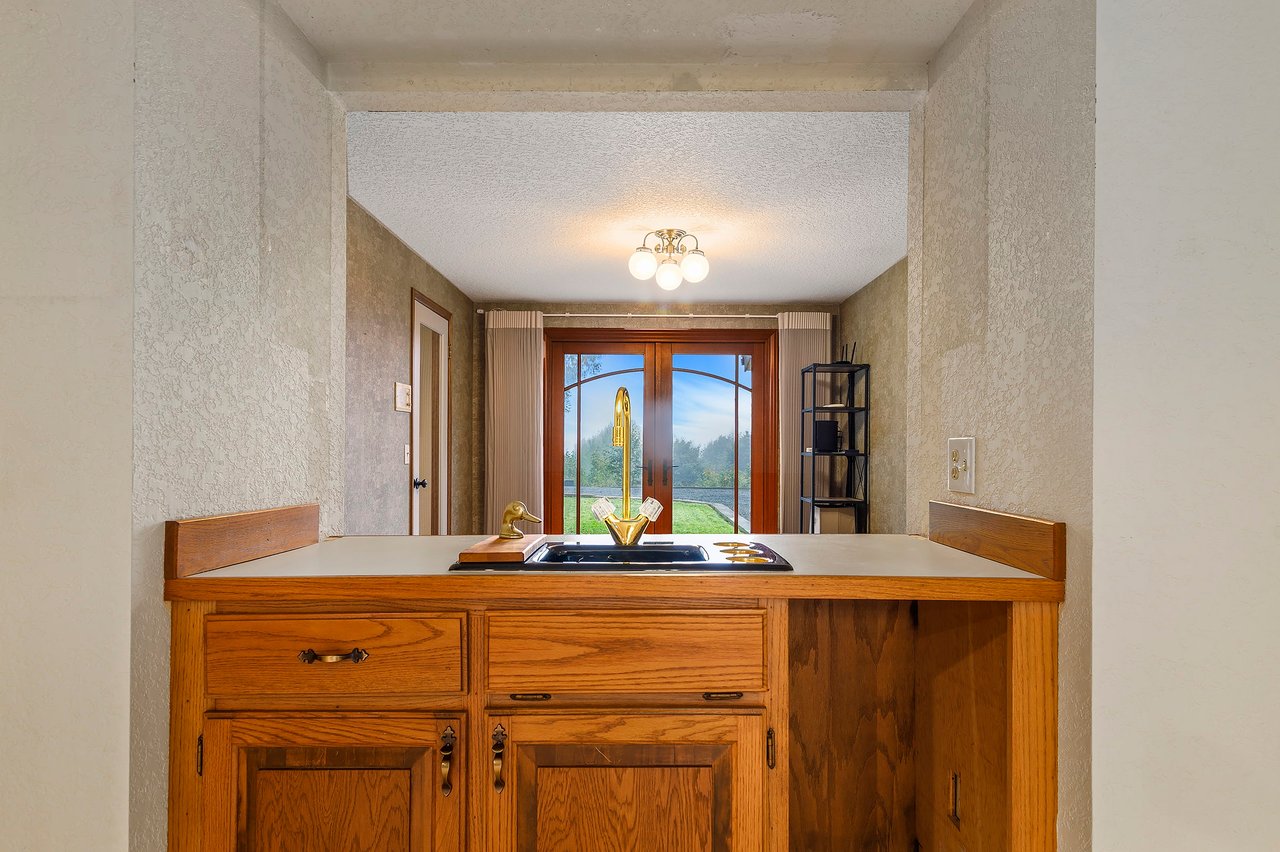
x: 381, y: 272
x: 66, y: 293
x: 1000, y: 302
x: 875, y: 317
x: 238, y: 325
x: 1186, y: 468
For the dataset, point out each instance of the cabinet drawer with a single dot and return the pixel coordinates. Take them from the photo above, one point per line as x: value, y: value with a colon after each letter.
x: 406, y: 654
x: 590, y: 651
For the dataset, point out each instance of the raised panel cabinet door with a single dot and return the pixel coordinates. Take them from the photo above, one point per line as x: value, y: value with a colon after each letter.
x: 639, y: 782
x: 332, y: 782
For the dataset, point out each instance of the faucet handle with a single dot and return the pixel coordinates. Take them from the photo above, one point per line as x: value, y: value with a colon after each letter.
x: 651, y: 509
x: 603, y: 508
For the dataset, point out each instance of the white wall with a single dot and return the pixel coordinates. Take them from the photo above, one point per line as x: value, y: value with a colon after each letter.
x: 66, y: 283
x: 239, y: 325
x: 1187, y: 470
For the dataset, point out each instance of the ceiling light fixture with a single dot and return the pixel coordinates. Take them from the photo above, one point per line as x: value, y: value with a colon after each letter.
x: 670, y: 262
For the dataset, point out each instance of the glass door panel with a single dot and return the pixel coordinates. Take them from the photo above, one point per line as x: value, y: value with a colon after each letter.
x: 707, y: 427
x: 592, y: 465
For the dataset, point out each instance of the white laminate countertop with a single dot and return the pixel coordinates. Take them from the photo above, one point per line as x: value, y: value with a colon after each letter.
x: 872, y: 556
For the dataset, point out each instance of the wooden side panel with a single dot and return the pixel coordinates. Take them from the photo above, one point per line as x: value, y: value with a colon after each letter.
x: 777, y: 718
x: 962, y: 702
x: 407, y: 654
x: 203, y: 544
x: 1030, y: 544
x: 627, y: 650
x: 1033, y: 732
x: 187, y: 704
x: 851, y: 726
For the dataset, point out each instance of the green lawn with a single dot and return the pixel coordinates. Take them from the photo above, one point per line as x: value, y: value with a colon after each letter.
x: 689, y: 518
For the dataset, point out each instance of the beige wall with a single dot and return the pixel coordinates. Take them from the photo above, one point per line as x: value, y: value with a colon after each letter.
x: 381, y: 273
x: 875, y: 317
x: 66, y: 292
x: 1186, y: 466
x: 1000, y: 302
x: 238, y: 343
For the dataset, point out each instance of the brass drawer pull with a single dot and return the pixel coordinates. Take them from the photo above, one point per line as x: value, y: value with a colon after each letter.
x: 447, y: 741
x: 499, y: 747
x: 721, y: 696
x: 356, y: 655
x: 531, y: 696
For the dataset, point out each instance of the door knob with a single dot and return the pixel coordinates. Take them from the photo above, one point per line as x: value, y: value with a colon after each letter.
x: 419, y: 483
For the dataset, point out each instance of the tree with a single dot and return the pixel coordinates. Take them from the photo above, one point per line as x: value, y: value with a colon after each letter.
x: 591, y: 366
x: 687, y: 456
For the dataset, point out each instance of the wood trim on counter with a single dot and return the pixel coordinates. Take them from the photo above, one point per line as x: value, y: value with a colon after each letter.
x: 553, y: 587
x: 1029, y: 544
x: 203, y: 544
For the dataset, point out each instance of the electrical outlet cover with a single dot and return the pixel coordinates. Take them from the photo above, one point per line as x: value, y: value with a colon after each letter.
x: 961, y: 464
x: 404, y: 397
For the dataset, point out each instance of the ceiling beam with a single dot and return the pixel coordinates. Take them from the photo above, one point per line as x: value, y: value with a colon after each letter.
x: 886, y: 87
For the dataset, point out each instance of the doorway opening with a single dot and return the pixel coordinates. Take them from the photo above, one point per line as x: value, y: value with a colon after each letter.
x: 704, y: 427
x: 431, y: 420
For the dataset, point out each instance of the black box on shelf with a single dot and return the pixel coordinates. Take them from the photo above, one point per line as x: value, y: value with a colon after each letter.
x: 826, y: 436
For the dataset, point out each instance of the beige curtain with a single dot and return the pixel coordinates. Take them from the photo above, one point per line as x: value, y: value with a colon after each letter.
x: 514, y: 395
x: 803, y: 339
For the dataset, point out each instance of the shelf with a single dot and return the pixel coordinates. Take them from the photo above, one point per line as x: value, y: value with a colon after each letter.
x: 833, y: 502
x: 834, y: 368
x: 851, y: 454
x: 835, y: 409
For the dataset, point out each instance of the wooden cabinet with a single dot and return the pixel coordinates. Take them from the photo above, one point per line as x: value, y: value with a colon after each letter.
x: 808, y: 712
x: 633, y: 782
x: 345, y: 655
x: 626, y: 651
x: 320, y: 782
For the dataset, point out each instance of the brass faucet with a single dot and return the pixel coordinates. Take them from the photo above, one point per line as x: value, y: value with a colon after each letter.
x: 626, y: 530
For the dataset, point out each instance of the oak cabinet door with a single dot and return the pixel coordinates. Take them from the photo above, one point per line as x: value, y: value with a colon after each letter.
x: 639, y: 782
x: 330, y: 782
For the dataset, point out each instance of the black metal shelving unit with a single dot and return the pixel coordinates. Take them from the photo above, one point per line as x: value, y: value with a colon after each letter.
x: 847, y: 388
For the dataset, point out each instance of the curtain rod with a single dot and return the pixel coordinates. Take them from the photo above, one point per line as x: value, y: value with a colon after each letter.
x: 657, y: 316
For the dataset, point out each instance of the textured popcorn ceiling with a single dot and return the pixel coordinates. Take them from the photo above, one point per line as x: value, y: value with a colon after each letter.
x: 549, y: 206
x: 592, y: 31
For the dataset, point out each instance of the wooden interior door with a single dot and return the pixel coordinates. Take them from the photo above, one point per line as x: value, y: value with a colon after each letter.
x: 603, y: 782
x: 319, y: 782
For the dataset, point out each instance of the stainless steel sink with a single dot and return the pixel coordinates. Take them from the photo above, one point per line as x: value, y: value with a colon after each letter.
x: 647, y: 556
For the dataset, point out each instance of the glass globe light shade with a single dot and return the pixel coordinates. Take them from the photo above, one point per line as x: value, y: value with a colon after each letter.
x: 669, y: 276
x: 695, y: 266
x: 643, y: 263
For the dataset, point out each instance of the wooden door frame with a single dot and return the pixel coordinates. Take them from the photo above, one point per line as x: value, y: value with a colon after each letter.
x: 764, y: 339
x: 445, y: 464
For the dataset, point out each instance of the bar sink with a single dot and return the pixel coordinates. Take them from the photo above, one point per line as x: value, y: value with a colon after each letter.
x: 648, y: 556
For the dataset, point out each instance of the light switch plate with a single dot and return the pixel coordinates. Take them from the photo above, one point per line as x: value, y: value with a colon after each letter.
x: 961, y: 464
x: 404, y: 397
x: 408, y: 454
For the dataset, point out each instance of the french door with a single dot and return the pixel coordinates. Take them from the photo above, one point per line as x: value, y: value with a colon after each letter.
x: 703, y: 427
